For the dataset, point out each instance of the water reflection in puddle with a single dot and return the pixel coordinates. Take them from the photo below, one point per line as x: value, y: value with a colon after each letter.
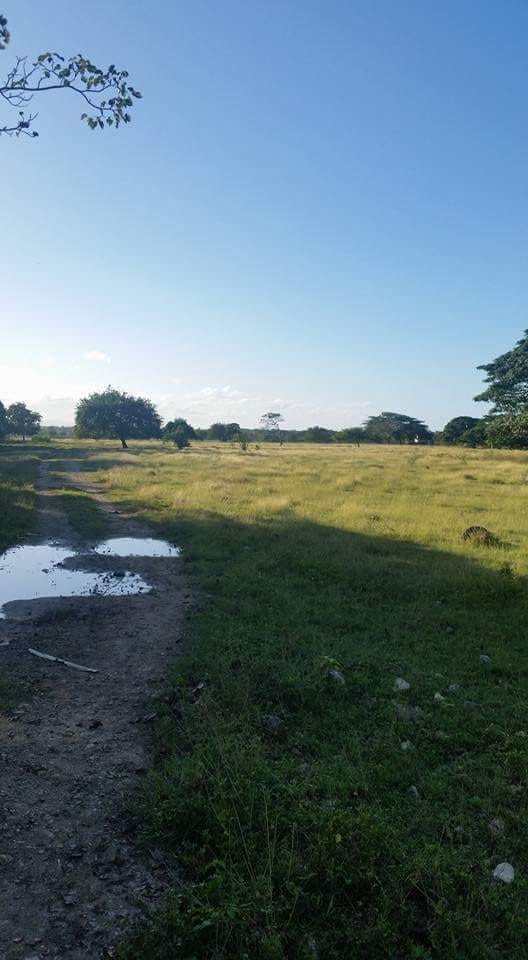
x: 28, y: 572
x: 137, y: 547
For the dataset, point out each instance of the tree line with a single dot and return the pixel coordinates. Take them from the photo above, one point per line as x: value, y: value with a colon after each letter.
x: 112, y: 414
x: 18, y: 420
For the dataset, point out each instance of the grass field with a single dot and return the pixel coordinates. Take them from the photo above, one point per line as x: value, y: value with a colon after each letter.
x: 18, y: 466
x: 316, y: 811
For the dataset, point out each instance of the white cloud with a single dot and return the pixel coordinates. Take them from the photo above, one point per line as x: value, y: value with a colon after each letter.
x: 97, y: 356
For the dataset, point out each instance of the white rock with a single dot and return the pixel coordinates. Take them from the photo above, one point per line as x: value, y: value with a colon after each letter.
x: 438, y: 697
x: 406, y: 745
x: 453, y: 687
x: 337, y: 677
x: 414, y: 792
x: 504, y: 872
x: 401, y: 684
x: 496, y: 826
x: 484, y: 658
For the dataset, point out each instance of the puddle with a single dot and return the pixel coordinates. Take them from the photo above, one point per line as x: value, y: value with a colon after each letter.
x: 137, y: 547
x: 28, y: 572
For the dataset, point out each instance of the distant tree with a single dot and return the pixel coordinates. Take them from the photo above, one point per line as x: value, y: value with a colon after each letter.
x: 351, y: 435
x: 508, y: 431
x: 507, y: 376
x: 233, y: 431
x: 396, y: 428
x: 217, y: 431
x: 106, y: 92
x: 179, y: 432
x: 22, y: 421
x: 4, y: 423
x: 477, y: 436
x: 112, y: 415
x: 271, y: 423
x: 318, y: 435
x: 455, y: 429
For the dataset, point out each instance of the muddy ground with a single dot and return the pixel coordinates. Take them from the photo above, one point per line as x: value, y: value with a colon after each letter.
x: 73, y: 750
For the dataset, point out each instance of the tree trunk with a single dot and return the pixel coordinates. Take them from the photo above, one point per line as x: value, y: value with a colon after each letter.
x: 123, y: 443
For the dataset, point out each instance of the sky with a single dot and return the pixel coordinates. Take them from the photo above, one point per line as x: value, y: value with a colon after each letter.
x: 320, y: 208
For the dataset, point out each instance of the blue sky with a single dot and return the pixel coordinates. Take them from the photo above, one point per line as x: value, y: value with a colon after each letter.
x: 320, y: 207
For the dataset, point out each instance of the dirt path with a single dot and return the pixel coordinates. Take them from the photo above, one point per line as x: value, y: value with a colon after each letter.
x: 73, y: 749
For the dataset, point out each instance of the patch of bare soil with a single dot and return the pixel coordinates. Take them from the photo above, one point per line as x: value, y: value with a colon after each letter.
x: 73, y: 750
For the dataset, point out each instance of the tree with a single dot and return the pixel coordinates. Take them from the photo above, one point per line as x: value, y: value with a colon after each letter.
x: 457, y: 427
x: 22, y: 421
x: 106, y: 92
x: 509, y: 432
x: 179, y: 431
x: 112, y: 415
x: 4, y: 423
x: 318, y: 435
x: 507, y: 376
x: 225, y: 432
x: 351, y: 435
x: 271, y: 423
x: 396, y: 428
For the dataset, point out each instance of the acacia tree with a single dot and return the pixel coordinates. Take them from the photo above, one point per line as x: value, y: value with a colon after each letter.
x: 396, y: 428
x: 114, y: 415
x: 22, y: 421
x: 271, y: 423
x: 106, y: 92
x: 457, y: 427
x: 507, y: 377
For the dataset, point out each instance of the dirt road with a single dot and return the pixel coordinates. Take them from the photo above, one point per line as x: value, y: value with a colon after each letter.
x: 73, y: 749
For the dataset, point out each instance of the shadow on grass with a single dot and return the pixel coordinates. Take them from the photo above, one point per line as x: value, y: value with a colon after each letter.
x: 314, y: 810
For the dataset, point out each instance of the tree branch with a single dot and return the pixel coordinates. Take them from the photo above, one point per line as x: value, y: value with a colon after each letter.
x: 78, y: 74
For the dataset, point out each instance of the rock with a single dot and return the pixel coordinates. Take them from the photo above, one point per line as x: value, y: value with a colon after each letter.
x: 406, y: 745
x: 438, y: 697
x: 272, y: 724
x: 337, y: 677
x: 408, y: 713
x: 414, y: 792
x: 480, y: 536
x: 484, y: 658
x: 505, y: 872
x: 401, y: 684
x: 453, y: 687
x: 496, y: 826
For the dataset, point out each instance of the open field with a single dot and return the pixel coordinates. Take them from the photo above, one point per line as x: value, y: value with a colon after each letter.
x: 315, y: 811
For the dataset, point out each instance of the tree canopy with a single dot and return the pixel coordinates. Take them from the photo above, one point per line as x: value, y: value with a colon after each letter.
x: 457, y: 427
x: 179, y: 431
x: 115, y: 415
x: 319, y: 435
x: 390, y: 427
x: 271, y: 423
x: 106, y: 92
x: 507, y: 377
x: 22, y: 421
x: 4, y: 423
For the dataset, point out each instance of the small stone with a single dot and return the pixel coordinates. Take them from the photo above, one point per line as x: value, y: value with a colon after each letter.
x: 408, y: 713
x: 453, y: 687
x: 401, y: 684
x: 484, y: 658
x: 271, y: 723
x: 337, y: 677
x: 505, y: 872
x: 438, y: 697
x: 406, y: 745
x: 496, y: 826
x: 414, y: 792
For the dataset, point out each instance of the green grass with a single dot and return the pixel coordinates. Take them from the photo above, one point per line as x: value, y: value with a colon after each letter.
x: 17, y: 494
x: 284, y: 794
x: 83, y: 513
